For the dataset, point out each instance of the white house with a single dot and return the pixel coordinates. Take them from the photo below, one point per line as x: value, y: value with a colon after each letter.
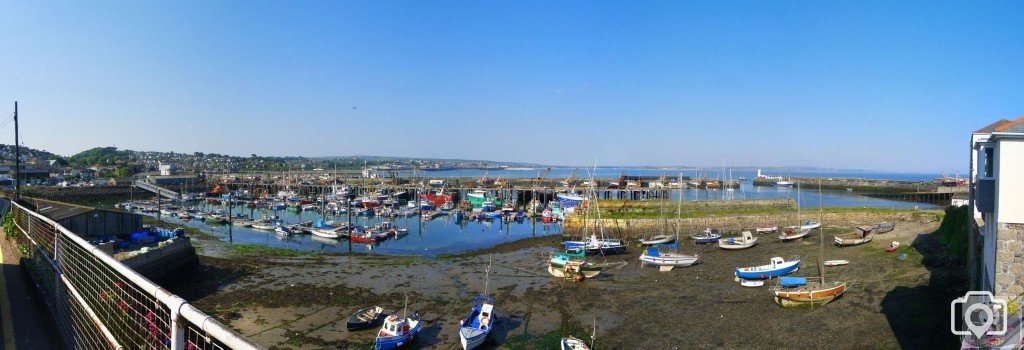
x: 997, y: 194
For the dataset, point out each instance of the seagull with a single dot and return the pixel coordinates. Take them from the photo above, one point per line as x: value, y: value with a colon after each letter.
x: 353, y: 108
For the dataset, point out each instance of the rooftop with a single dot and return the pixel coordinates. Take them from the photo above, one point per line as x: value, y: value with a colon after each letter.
x: 1016, y: 126
x: 58, y: 211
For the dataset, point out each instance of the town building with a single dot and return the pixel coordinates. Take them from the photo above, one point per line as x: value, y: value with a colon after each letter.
x: 997, y: 195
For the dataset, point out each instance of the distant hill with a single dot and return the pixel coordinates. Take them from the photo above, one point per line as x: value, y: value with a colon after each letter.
x: 101, y: 155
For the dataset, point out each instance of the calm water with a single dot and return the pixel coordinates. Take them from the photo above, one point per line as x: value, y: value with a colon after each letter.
x: 426, y: 237
x: 442, y: 235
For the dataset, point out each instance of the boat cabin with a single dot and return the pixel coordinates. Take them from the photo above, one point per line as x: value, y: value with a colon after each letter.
x: 485, y: 315
x: 394, y: 326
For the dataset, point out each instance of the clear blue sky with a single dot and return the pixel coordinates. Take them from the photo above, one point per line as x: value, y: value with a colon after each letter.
x: 857, y: 84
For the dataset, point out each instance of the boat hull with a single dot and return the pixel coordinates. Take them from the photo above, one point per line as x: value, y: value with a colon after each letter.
x: 809, y: 296
x: 587, y: 271
x: 762, y: 272
x: 662, y: 260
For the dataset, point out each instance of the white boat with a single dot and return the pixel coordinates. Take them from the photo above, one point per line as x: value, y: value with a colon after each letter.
x: 863, y: 235
x: 573, y: 343
x: 283, y: 231
x: 263, y: 226
x: 766, y: 229
x: 831, y: 263
x: 666, y: 261
x: 751, y: 283
x: 659, y: 239
x: 746, y: 240
x: 784, y: 183
x: 794, y: 233
x: 810, y: 225
x: 325, y: 232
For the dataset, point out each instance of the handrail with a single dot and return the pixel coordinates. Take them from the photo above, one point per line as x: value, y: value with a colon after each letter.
x: 174, y: 303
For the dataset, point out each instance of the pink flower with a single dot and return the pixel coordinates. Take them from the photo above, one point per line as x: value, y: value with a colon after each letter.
x: 103, y: 295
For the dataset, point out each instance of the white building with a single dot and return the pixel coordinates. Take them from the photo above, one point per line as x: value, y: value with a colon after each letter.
x: 167, y: 169
x: 997, y: 195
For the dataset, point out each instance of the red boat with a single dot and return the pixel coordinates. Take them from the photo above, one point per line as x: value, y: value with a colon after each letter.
x: 438, y: 199
x: 363, y: 238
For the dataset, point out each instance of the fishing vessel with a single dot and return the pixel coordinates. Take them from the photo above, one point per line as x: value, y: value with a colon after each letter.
x: 478, y: 197
x: 398, y: 332
x: 366, y: 318
x: 569, y: 200
x: 709, y: 235
x: 474, y: 328
x: 744, y: 241
x: 777, y: 267
x: 666, y: 261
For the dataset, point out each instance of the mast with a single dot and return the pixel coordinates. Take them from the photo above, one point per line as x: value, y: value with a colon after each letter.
x: 17, y: 156
x: 487, y: 276
x: 679, y: 213
x: 821, y: 232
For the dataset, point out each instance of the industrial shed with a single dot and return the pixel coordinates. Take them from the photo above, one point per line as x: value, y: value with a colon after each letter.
x: 89, y: 222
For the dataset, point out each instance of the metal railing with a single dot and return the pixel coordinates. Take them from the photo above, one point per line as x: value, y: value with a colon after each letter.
x: 99, y: 303
x: 146, y: 185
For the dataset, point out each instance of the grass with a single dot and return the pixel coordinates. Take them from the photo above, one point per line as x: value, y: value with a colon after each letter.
x: 953, y: 231
x: 253, y: 249
x: 655, y: 209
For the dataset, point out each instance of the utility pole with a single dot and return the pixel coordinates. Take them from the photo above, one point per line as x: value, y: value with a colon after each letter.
x: 17, y: 156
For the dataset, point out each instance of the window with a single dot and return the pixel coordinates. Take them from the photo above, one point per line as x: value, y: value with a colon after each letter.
x: 989, y: 158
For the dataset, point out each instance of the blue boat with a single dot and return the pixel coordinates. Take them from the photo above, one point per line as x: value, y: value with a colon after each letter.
x: 397, y: 332
x: 710, y: 235
x: 778, y: 267
x: 569, y: 200
x: 477, y: 325
x: 492, y: 215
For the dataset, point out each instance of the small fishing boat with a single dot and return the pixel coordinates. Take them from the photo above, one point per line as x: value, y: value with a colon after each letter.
x: 766, y: 229
x: 744, y: 241
x: 569, y: 200
x: 793, y: 233
x: 709, y: 235
x: 863, y: 235
x: 580, y: 269
x: 893, y: 247
x: 477, y: 325
x: 597, y: 246
x: 367, y: 237
x: 546, y: 216
x: 397, y: 332
x: 884, y: 227
x: 366, y: 318
x: 784, y: 183
x: 777, y: 267
x: 241, y: 223
x: 831, y: 263
x: 659, y: 239
x: 573, y: 343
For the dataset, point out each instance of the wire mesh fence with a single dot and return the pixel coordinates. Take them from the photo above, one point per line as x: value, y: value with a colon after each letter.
x: 98, y: 303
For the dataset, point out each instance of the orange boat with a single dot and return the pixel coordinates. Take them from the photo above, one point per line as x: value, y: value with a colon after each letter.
x: 219, y: 190
x: 798, y: 292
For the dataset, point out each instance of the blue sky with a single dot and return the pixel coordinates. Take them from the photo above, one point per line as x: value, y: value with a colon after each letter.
x: 855, y: 84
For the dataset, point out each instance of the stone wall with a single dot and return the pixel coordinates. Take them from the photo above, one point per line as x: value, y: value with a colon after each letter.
x: 633, y: 228
x: 1010, y: 260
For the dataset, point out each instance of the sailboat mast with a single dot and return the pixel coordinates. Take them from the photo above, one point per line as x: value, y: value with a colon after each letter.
x: 821, y: 231
x: 487, y: 275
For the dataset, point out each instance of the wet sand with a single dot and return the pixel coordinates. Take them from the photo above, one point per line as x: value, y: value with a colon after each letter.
x: 302, y: 302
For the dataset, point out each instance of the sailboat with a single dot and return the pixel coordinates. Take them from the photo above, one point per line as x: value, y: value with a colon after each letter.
x: 567, y: 266
x: 473, y: 329
x: 661, y: 238
x: 791, y: 233
x: 799, y: 292
x: 668, y: 261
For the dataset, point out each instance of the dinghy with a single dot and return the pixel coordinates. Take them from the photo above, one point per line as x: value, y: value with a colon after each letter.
x: 751, y: 283
x: 659, y: 239
x: 884, y: 227
x: 830, y: 263
x: 746, y: 240
x: 777, y: 267
x: 366, y: 318
x: 766, y: 229
x: 863, y: 235
x: 893, y: 247
x: 325, y: 232
x: 810, y: 225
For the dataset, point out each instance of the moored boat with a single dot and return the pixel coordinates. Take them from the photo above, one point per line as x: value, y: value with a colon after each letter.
x: 666, y: 261
x: 473, y: 329
x: 799, y: 292
x: 766, y: 229
x: 366, y: 318
x: 658, y: 239
x: 884, y: 227
x: 863, y: 235
x: 709, y: 235
x: 777, y: 267
x: 793, y: 233
x: 744, y: 241
x: 397, y: 332
x: 573, y: 343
